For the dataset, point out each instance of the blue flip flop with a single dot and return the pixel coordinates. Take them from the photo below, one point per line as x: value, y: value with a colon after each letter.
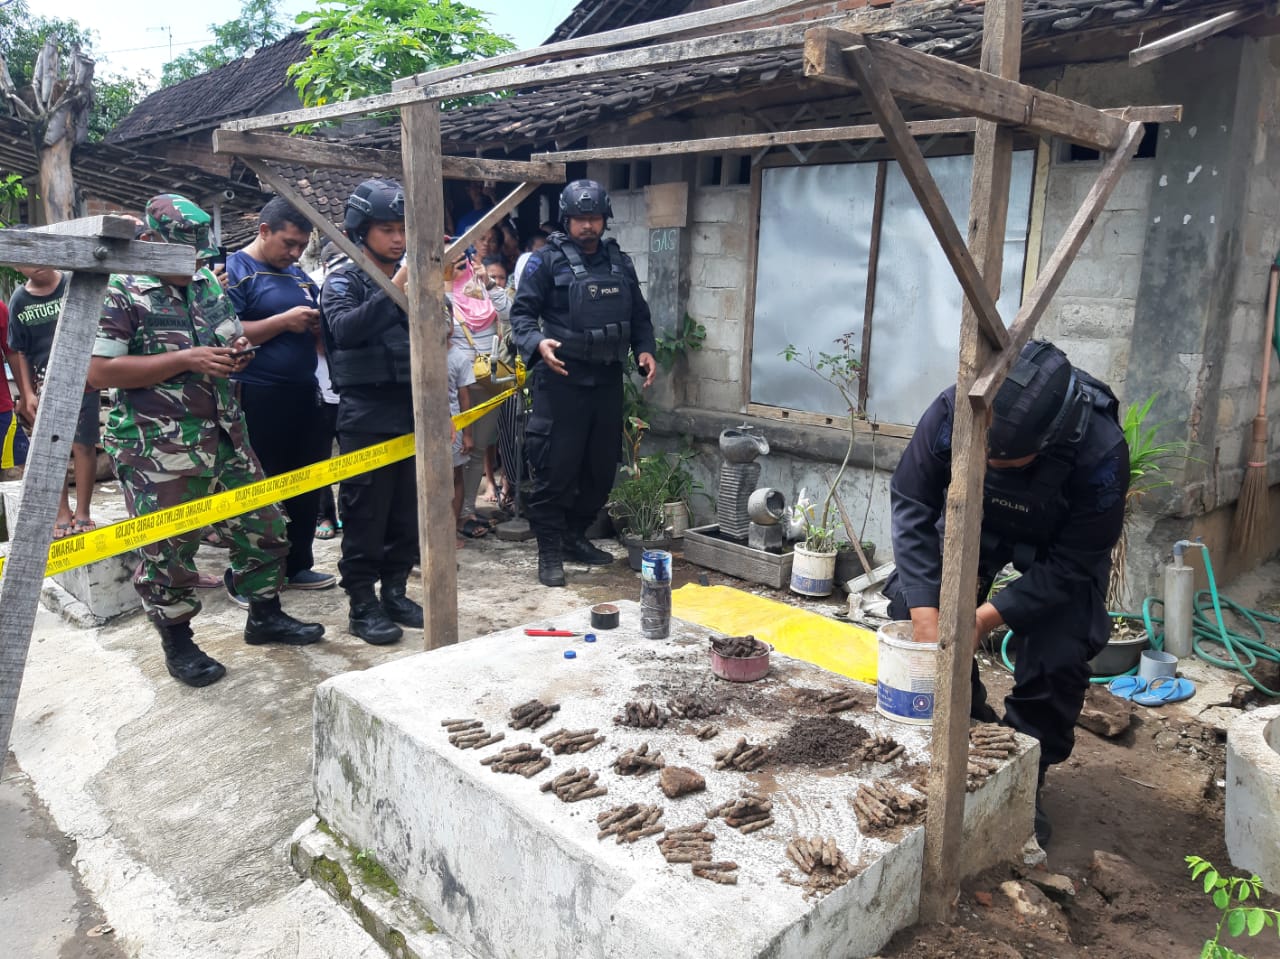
x: 1165, y: 689
x: 1126, y: 687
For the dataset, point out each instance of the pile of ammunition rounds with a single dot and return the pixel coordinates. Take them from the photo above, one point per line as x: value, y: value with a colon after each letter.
x: 574, y: 785
x: 708, y: 732
x: 738, y: 647
x: 636, y: 762
x: 881, y: 806
x: 572, y: 741
x: 469, y: 733
x: 747, y: 815
x: 642, y: 715
x: 532, y: 714
x: 839, y: 701
x: 988, y: 745
x: 819, y: 854
x: 525, y: 759
x: 880, y: 749
x: 692, y: 706
x: 741, y: 756
x: 629, y: 823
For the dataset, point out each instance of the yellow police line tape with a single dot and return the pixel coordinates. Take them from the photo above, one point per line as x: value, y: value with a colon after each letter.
x: 85, y: 548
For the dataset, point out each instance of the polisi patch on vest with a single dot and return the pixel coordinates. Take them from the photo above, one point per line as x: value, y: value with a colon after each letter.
x: 599, y: 291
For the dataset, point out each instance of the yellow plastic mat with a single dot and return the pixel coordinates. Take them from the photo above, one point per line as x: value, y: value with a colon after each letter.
x: 840, y: 647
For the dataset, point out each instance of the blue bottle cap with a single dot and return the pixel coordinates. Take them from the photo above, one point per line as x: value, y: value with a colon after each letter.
x: 569, y: 654
x: 589, y: 638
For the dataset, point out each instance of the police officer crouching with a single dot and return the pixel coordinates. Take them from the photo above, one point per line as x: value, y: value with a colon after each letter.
x: 1053, y: 506
x: 367, y: 340
x: 578, y: 313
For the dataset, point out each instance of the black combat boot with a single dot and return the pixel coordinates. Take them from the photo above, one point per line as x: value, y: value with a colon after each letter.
x: 400, y: 608
x: 1044, y: 828
x: 268, y: 623
x: 550, y: 560
x: 369, y: 620
x: 581, y: 550
x: 185, y: 660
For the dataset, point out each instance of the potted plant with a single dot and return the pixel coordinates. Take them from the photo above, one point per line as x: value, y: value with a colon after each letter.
x: 679, y: 489
x: 813, y: 569
x: 637, y: 507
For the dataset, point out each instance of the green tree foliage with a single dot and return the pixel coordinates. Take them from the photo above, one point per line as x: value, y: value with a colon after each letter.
x: 258, y: 25
x: 113, y: 99
x: 359, y: 46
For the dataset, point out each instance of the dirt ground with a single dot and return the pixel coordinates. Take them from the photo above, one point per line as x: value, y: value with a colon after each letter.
x: 1138, y: 805
x: 1150, y: 798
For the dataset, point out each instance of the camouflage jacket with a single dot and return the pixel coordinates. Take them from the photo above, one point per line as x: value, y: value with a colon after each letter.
x: 174, y: 423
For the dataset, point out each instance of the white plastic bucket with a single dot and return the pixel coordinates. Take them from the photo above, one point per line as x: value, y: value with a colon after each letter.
x: 905, y: 675
x: 812, y: 574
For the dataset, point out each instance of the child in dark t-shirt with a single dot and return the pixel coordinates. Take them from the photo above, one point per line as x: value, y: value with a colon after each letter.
x: 34, y: 309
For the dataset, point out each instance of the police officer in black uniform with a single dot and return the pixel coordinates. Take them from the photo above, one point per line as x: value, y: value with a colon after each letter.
x: 367, y: 340
x: 1053, y: 506
x: 577, y: 315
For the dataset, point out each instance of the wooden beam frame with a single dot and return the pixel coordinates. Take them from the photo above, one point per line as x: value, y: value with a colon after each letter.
x: 491, y: 217
x: 861, y: 131
x: 877, y: 95
x: 962, y: 541
x: 1190, y: 36
x: 927, y: 79
x: 899, y: 16
x: 668, y: 28
x: 96, y: 254
x: 1055, y: 270
x: 327, y: 154
x: 751, y: 141
x: 429, y: 331
x: 92, y: 248
x: 326, y: 226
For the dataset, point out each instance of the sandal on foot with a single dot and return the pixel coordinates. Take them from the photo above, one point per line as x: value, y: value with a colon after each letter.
x: 63, y: 530
x: 325, y: 530
x: 1166, y: 689
x: 83, y: 526
x: 207, y: 581
x: 472, y: 528
x: 1126, y: 687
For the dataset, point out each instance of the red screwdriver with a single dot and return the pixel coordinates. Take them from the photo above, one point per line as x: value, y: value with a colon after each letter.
x: 550, y: 632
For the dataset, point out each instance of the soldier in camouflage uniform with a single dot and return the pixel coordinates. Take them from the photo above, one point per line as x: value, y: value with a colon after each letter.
x: 168, y: 345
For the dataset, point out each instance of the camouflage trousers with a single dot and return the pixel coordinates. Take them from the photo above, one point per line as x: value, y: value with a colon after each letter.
x: 166, y: 577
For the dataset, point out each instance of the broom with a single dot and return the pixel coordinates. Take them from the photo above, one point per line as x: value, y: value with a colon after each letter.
x: 1252, y: 510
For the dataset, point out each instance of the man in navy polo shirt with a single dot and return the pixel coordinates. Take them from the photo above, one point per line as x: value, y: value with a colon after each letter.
x: 278, y: 306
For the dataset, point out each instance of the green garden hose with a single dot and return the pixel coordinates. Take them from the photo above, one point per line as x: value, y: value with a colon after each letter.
x: 1244, y: 652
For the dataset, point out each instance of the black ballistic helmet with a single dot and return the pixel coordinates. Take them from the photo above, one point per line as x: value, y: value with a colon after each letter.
x: 1034, y: 403
x: 373, y: 201
x: 584, y: 198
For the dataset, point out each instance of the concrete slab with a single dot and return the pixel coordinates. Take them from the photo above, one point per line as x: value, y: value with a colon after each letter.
x: 512, y: 871
x: 1252, y: 818
x: 103, y: 589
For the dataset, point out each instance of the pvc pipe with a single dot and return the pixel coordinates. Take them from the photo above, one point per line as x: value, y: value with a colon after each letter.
x: 1179, y: 591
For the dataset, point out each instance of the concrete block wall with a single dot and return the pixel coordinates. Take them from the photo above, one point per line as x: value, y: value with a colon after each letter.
x: 1260, y: 241
x: 1165, y: 296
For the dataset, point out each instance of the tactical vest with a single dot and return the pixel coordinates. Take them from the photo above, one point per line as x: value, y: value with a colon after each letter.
x: 600, y: 301
x: 380, y: 362
x: 1024, y: 509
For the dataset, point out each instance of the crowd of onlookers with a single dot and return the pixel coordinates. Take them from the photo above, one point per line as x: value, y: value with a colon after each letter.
x: 277, y: 362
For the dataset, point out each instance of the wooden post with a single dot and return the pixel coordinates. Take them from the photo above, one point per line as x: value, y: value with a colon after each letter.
x: 85, y: 246
x: 429, y: 328
x: 988, y: 207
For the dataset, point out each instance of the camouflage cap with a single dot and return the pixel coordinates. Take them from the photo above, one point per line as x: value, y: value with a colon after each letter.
x: 175, y: 219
